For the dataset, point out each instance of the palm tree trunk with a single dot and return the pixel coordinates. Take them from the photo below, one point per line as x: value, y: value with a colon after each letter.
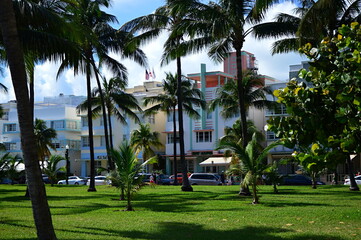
x: 15, y: 56
x: 110, y: 162
x: 275, y: 190
x: 90, y: 130
x: 242, y: 108
x: 110, y: 128
x: 185, y: 185
x: 240, y: 92
x: 175, y: 148
x: 353, y: 184
x: 314, y: 183
x: 254, y: 189
x: 129, y: 202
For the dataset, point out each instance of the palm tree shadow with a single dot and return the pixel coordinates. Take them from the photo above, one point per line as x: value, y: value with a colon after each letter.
x: 181, y: 231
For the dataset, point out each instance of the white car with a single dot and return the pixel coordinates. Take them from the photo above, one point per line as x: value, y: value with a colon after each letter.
x: 204, y: 179
x: 357, y: 179
x: 74, y: 180
x: 100, y: 180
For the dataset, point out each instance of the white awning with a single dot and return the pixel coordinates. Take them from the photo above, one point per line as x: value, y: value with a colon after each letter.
x: 216, y: 161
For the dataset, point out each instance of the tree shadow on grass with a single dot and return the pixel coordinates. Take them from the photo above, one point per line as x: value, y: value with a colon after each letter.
x: 71, y: 210
x: 181, y: 231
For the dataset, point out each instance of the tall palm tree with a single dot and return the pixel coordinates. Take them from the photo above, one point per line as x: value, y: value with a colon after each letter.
x: 168, y: 18
x: 144, y: 140
x: 96, y: 39
x: 15, y: 57
x: 254, y: 95
x: 127, y: 171
x: 252, y: 160
x: 167, y: 102
x: 43, y: 138
x: 223, y: 27
x: 52, y: 168
x: 117, y: 103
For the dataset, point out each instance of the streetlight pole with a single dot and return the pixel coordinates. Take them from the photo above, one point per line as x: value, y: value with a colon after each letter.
x: 67, y: 163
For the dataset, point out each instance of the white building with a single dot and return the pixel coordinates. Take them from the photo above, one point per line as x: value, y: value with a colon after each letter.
x: 59, y: 114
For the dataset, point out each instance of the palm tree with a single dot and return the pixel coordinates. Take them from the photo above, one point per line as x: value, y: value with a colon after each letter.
x: 127, y: 171
x: 167, y: 102
x: 168, y: 18
x: 117, y: 103
x: 41, y: 23
x: 252, y: 160
x: 52, y: 168
x: 144, y: 140
x: 313, y: 21
x: 15, y: 56
x: 254, y: 95
x: 43, y: 138
x: 223, y: 27
x: 234, y: 135
x: 96, y: 39
x: 9, y: 165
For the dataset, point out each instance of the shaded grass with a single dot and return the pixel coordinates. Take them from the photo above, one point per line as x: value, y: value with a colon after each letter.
x: 210, y: 212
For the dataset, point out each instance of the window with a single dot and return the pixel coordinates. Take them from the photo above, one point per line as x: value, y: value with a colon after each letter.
x: 57, y: 124
x: 102, y: 141
x: 124, y: 137
x: 170, y: 117
x: 271, y: 136
x: 190, y: 165
x: 71, y: 125
x: 10, y: 146
x: 97, y: 164
x: 5, y: 115
x: 84, y: 121
x: 10, y: 127
x: 170, y: 138
x: 151, y: 119
x: 209, y: 115
x: 204, y: 136
x: 85, y: 141
x: 56, y: 144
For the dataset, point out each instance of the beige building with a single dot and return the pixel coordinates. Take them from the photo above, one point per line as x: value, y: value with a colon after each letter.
x: 121, y: 132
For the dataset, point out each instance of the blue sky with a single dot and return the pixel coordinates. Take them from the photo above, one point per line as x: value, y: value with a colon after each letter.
x: 46, y: 85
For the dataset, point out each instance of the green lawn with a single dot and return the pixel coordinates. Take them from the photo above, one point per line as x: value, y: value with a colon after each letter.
x: 210, y: 212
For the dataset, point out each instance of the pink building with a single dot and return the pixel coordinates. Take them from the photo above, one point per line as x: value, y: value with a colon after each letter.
x: 230, y: 63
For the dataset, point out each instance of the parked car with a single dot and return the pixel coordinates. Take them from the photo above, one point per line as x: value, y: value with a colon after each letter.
x: 7, y: 181
x: 179, y: 178
x: 145, y: 176
x: 357, y: 179
x: 100, y: 180
x: 74, y: 180
x: 164, y: 179
x: 204, y: 179
x: 45, y: 178
x: 298, y: 179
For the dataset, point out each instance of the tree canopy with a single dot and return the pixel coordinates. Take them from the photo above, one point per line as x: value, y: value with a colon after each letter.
x: 324, y: 110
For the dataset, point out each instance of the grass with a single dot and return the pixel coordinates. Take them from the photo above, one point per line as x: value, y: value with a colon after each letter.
x: 210, y: 212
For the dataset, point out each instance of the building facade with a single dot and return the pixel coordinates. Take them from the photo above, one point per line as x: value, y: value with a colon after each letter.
x: 121, y: 132
x: 59, y: 114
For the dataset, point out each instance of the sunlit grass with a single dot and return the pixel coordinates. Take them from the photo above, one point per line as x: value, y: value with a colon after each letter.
x: 210, y: 212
